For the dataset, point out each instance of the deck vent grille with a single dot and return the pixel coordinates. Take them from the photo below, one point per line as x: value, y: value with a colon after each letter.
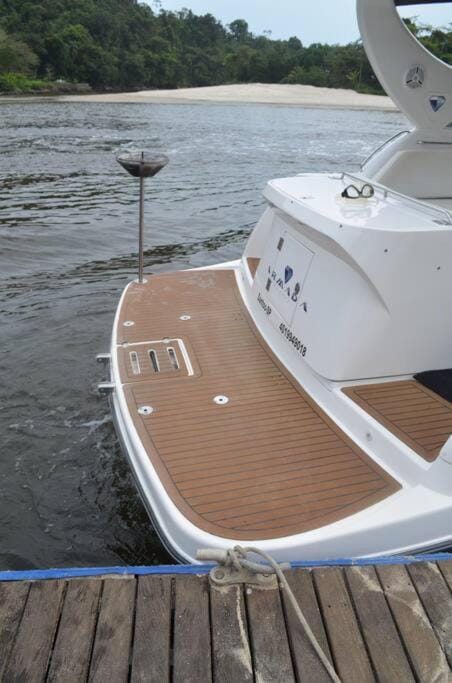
x: 158, y: 359
x: 173, y: 358
x: 154, y: 360
x: 135, y: 363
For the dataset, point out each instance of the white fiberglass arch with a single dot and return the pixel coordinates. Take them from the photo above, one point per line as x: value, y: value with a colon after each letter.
x: 418, y: 82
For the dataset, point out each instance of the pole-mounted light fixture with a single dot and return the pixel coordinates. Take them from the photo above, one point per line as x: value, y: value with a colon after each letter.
x: 142, y: 165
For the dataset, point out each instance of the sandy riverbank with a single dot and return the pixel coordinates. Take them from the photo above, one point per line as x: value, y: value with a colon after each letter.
x: 258, y: 93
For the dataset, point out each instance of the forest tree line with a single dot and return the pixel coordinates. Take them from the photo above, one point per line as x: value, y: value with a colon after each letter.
x: 125, y: 44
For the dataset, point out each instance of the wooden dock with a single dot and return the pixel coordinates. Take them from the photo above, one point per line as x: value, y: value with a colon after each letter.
x: 383, y: 622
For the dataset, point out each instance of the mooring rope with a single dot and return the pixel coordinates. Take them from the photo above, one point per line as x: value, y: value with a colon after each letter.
x: 237, y: 558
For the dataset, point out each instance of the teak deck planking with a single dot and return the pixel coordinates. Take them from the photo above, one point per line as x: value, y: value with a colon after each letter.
x: 270, y: 462
x: 375, y: 623
x: 417, y: 416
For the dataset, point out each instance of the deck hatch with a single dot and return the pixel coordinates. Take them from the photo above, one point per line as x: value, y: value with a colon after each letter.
x: 159, y: 359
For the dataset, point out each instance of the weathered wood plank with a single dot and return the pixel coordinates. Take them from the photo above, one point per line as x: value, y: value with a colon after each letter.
x: 307, y: 664
x: 230, y: 645
x: 111, y: 651
x: 437, y: 600
x: 426, y: 655
x: 446, y: 570
x: 192, y: 647
x: 12, y: 602
x: 268, y: 635
x: 346, y: 642
x: 151, y: 643
x: 33, y: 643
x: 387, y: 623
x: 380, y: 633
x: 72, y: 650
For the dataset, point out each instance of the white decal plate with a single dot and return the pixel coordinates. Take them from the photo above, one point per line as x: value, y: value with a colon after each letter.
x: 287, y: 263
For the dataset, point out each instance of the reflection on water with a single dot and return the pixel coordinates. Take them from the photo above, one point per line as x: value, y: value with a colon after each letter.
x: 67, y: 249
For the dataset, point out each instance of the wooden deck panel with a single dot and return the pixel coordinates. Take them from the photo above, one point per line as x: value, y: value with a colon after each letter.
x: 151, y: 656
x: 74, y: 641
x: 417, y: 416
x: 230, y: 634
x: 370, y: 622
x: 270, y: 463
x: 306, y: 663
x: 12, y: 604
x: 268, y: 637
x: 113, y: 637
x: 342, y: 626
x: 384, y: 646
x: 192, y: 645
x: 29, y: 657
x: 436, y: 599
x: 423, y: 648
x: 253, y: 265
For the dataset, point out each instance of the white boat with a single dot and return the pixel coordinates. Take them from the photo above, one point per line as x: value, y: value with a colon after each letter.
x: 300, y: 399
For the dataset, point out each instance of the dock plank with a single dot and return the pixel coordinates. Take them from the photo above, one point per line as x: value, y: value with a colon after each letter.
x: 12, y: 602
x: 307, y: 665
x: 446, y: 570
x: 230, y: 643
x: 111, y: 650
x: 424, y: 650
x: 152, y: 636
x: 437, y: 600
x: 346, y: 642
x: 192, y: 646
x: 269, y: 642
x: 34, y: 639
x: 74, y: 640
x: 385, y: 623
x: 380, y: 633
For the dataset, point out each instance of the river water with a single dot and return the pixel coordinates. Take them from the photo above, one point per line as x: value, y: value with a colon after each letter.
x: 68, y: 234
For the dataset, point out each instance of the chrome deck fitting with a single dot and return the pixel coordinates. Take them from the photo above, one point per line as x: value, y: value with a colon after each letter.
x: 105, y: 388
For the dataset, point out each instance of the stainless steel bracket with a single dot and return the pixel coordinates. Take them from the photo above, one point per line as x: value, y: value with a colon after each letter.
x: 105, y: 388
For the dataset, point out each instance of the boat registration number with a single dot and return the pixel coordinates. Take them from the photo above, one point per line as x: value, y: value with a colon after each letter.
x: 296, y: 343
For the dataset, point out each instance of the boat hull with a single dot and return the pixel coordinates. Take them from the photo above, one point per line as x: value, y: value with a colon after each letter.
x: 400, y: 520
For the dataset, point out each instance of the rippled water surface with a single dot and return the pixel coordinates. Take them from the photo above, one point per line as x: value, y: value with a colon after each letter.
x: 68, y: 247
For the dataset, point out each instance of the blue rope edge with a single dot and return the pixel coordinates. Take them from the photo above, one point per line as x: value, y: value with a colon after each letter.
x: 163, y: 570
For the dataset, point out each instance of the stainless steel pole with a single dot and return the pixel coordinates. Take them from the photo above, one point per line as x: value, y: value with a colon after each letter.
x: 141, y: 234
x: 142, y: 166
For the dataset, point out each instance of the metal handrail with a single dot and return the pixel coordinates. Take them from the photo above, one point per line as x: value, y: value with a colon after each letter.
x: 434, y: 142
x: 383, y: 145
x: 398, y: 195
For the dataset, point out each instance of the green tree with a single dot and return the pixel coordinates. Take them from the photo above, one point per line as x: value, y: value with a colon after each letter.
x: 128, y: 44
x: 16, y: 56
x: 239, y: 30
